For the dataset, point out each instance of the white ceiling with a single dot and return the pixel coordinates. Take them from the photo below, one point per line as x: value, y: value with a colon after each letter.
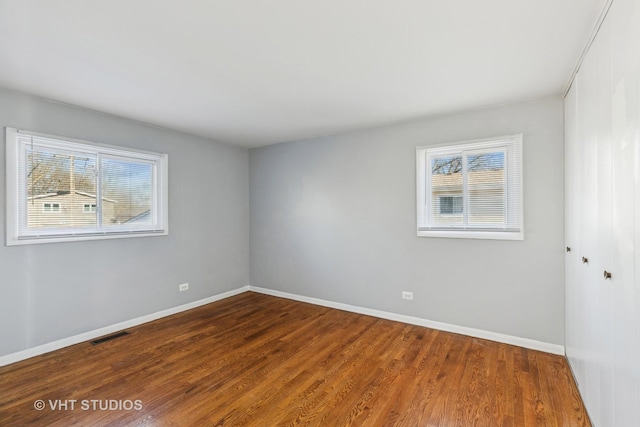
x: 256, y: 72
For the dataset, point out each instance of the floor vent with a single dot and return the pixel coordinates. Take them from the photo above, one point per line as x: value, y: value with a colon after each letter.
x: 109, y: 337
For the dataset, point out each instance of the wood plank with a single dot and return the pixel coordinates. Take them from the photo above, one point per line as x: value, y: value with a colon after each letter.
x: 257, y: 360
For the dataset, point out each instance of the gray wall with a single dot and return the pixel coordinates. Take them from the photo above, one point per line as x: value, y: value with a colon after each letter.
x: 334, y: 218
x: 53, y: 291
x: 331, y: 218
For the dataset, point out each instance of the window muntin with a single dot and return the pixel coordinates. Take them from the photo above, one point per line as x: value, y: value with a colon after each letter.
x: 91, y: 191
x: 471, y: 189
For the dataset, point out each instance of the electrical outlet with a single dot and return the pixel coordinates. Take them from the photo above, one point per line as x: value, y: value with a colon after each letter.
x: 407, y: 295
x: 183, y: 287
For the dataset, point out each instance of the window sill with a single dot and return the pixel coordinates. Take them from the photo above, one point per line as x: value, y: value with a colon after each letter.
x: 12, y: 241
x: 473, y: 234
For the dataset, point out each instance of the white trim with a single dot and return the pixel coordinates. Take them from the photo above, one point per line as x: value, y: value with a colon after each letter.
x: 11, y: 184
x: 86, y: 336
x: 84, y: 237
x: 473, y: 234
x: 594, y: 32
x: 472, y: 144
x: 447, y: 327
x: 54, y: 142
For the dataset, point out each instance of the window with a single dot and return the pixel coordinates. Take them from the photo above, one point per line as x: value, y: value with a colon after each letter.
x: 86, y: 191
x: 471, y: 189
x: 51, y: 207
x: 450, y: 205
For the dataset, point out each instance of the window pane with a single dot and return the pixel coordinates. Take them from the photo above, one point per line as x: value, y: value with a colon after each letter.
x: 58, y: 183
x: 446, y: 191
x: 486, y: 186
x: 127, y: 187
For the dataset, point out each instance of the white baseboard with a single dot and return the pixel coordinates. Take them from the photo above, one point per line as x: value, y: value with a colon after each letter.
x: 477, y: 333
x: 86, y: 336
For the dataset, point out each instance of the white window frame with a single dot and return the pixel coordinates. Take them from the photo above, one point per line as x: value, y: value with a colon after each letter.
x: 17, y: 232
x: 511, y: 145
x: 89, y: 207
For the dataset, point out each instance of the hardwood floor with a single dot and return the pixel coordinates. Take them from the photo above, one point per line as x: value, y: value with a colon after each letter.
x: 256, y: 360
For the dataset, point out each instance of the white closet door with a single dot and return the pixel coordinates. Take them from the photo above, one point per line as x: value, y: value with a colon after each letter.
x: 572, y: 202
x: 595, y: 308
x: 634, y: 132
x: 588, y: 228
x: 603, y: 258
x: 583, y: 206
x: 625, y: 115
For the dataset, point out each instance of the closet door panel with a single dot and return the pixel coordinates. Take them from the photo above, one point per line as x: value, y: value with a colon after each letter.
x: 625, y: 79
x: 581, y: 335
x: 572, y: 192
x: 634, y: 134
x: 587, y: 294
x: 603, y: 288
